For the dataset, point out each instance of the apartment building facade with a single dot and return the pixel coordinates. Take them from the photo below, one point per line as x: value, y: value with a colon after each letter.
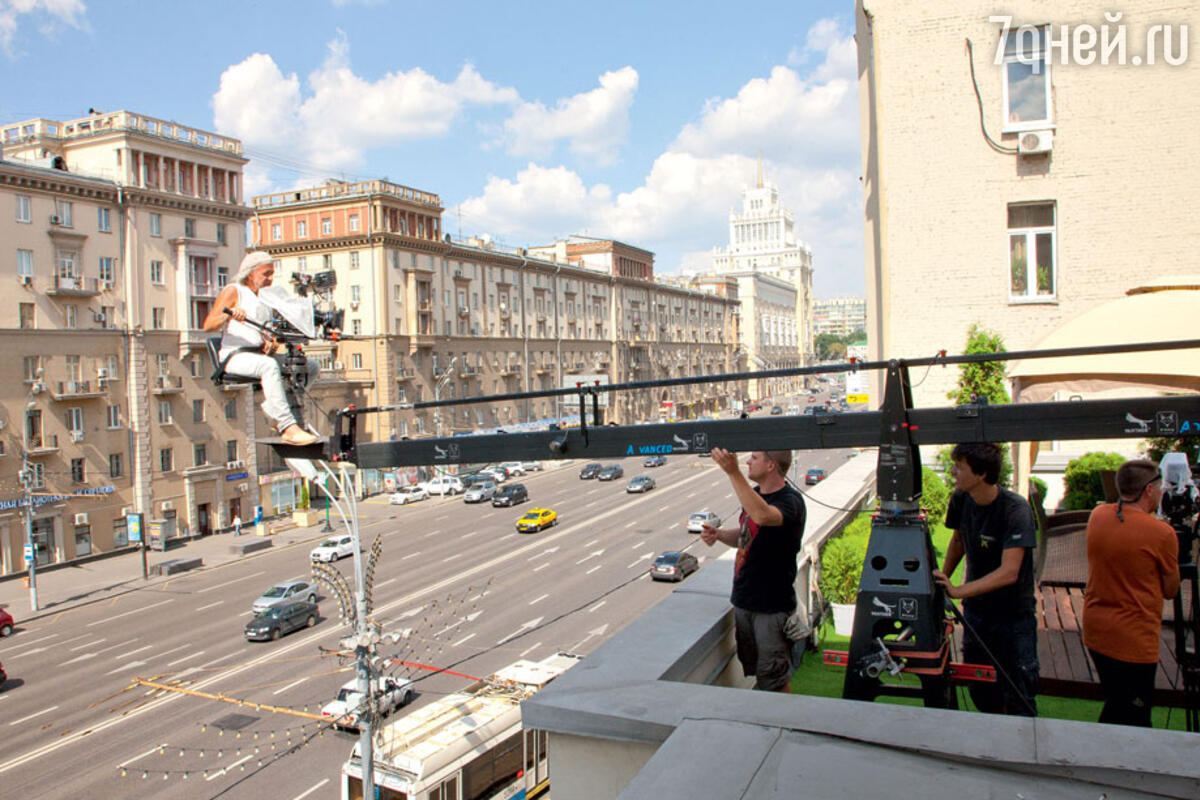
x: 839, y: 316
x: 428, y: 318
x: 1014, y: 181
x: 120, y: 229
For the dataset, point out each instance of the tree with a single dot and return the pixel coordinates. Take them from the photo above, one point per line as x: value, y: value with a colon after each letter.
x: 987, y: 381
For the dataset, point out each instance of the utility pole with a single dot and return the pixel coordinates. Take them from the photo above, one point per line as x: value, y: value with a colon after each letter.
x: 437, y: 394
x: 27, y: 485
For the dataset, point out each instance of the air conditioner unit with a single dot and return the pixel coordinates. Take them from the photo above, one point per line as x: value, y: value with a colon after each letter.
x: 243, y: 487
x: 81, y: 519
x: 102, y: 373
x: 1034, y: 142
x: 55, y: 219
x: 77, y: 436
x: 354, y: 304
x: 234, y: 464
x: 168, y: 505
x: 106, y: 286
x: 26, y: 280
x: 126, y: 511
x: 338, y: 365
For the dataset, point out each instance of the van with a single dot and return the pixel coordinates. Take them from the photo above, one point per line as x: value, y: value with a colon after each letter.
x: 443, y: 485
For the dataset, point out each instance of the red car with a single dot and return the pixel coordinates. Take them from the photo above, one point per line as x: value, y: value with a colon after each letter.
x: 6, y: 623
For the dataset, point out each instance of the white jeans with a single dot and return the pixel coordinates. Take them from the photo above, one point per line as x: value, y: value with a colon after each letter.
x: 266, y: 369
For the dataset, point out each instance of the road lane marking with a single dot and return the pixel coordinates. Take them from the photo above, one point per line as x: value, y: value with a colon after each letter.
x: 73, y: 638
x: 223, y: 770
x: 631, y: 524
x: 529, y: 650
x: 289, y: 686
x: 639, y: 545
x: 385, y: 583
x: 693, y: 494
x: 664, y: 508
x: 140, y: 649
x: 124, y: 667
x: 507, y: 536
x: 88, y: 644
x: 309, y: 791
x: 448, y: 559
x: 593, y: 569
x: 210, y: 605
x: 35, y: 641
x: 466, y: 638
x: 592, y: 542
x: 411, y: 555
x: 31, y: 716
x: 537, y: 600
x: 185, y: 658
x: 107, y: 620
x: 226, y: 583
x: 218, y: 661
x: 142, y: 755
x: 596, y: 607
x: 431, y: 533
x: 542, y: 567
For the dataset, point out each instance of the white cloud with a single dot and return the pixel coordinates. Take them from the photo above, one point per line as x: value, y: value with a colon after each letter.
x: 594, y: 123
x: 540, y: 202
x: 67, y: 12
x: 340, y: 115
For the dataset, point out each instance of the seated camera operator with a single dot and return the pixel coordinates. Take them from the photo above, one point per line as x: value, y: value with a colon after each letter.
x: 243, y: 348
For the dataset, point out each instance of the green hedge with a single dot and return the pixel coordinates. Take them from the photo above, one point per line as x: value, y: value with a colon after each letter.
x: 1084, y: 488
x: 841, y: 568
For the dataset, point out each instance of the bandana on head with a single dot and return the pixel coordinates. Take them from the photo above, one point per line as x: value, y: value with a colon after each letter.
x: 251, y: 261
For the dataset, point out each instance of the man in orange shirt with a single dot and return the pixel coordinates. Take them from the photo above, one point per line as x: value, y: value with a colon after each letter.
x: 1133, y: 566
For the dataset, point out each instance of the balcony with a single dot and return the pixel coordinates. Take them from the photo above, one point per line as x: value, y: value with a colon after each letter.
x: 42, y: 445
x: 505, y: 313
x: 167, y: 384
x: 406, y: 374
x: 79, y: 390
x: 508, y: 370
x: 468, y: 371
x: 541, y: 316
x: 203, y: 289
x: 573, y: 367
x: 74, y: 286
x: 464, y: 311
x: 545, y: 369
x: 425, y: 305
x: 421, y: 340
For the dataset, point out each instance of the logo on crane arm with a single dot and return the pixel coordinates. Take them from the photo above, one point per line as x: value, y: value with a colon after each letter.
x: 679, y: 444
x: 885, y: 609
x: 439, y: 453
x: 1136, y: 424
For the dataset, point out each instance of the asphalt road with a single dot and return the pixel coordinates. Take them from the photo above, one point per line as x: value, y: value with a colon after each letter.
x: 472, y: 594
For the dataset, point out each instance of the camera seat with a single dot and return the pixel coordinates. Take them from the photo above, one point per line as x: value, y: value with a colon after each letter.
x: 219, y: 375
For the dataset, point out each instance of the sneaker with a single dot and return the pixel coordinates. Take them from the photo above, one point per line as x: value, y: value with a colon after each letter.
x: 295, y: 435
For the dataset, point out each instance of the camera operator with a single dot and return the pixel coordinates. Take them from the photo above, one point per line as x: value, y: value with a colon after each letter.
x: 1132, y: 568
x: 245, y: 352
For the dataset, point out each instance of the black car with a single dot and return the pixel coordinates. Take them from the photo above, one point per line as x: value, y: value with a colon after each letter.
x: 590, y: 471
x: 674, y: 565
x: 655, y: 461
x: 814, y: 476
x: 776, y: 410
x: 611, y: 473
x: 281, y: 619
x: 510, y: 495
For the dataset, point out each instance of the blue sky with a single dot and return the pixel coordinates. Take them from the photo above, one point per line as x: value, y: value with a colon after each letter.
x: 640, y: 121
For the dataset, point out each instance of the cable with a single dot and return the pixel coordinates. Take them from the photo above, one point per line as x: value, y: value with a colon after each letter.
x: 999, y: 148
x: 958, y: 615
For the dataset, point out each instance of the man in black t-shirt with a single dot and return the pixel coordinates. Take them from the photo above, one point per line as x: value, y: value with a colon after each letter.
x: 995, y: 529
x: 767, y: 538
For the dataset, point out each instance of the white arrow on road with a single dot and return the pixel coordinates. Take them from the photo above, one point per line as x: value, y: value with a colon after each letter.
x: 533, y: 623
x: 545, y: 552
x: 467, y: 618
x: 124, y: 667
x: 591, y: 634
x: 640, y: 560
x: 593, y: 554
x: 83, y: 657
x: 411, y: 613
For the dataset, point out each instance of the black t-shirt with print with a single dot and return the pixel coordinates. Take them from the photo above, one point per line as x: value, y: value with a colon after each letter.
x: 765, y: 569
x: 986, y: 532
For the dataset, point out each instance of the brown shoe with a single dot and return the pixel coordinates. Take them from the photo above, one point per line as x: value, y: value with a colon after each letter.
x: 295, y: 435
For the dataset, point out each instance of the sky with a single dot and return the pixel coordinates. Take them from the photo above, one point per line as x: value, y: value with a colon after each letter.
x: 639, y: 121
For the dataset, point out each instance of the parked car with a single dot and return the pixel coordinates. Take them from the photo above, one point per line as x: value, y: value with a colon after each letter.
x: 3, y: 676
x: 814, y: 476
x: 532, y: 466
x: 640, y: 485
x: 812, y: 399
x: 443, y: 485
x: 494, y: 474
x: 480, y: 492
x: 611, y: 473
x: 537, y: 519
x: 776, y: 410
x: 674, y: 565
x: 697, y: 521
x: 333, y: 548
x: 590, y: 471
x: 655, y: 461
x: 392, y: 693
x: 284, y: 592
x: 472, y: 478
x: 510, y: 495
x: 409, y: 494
x: 6, y: 623
x: 513, y: 468
x: 275, y: 622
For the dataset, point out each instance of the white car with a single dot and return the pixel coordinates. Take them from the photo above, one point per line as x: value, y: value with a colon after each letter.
x: 409, y: 494
x: 393, y: 693
x: 513, y: 468
x: 532, y: 466
x: 497, y: 474
x: 333, y: 548
x: 697, y: 521
x: 442, y: 485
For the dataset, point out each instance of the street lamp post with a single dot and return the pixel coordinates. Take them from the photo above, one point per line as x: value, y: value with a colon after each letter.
x: 437, y: 395
x: 27, y: 484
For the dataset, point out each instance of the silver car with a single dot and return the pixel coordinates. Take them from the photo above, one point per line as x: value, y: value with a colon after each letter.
x: 697, y: 521
x: 285, y: 592
x: 480, y: 492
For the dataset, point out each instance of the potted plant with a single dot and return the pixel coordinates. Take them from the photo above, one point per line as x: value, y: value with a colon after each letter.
x: 303, y: 515
x: 841, y: 570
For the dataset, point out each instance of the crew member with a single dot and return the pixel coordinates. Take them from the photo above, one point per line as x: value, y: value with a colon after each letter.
x: 767, y: 539
x: 247, y: 352
x: 995, y: 529
x: 1133, y: 566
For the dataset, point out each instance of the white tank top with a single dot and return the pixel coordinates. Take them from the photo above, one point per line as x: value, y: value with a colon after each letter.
x: 239, y: 334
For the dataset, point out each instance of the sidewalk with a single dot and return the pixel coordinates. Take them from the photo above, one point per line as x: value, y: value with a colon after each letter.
x: 92, y: 581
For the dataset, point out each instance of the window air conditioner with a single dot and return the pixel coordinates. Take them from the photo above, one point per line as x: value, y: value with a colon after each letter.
x: 243, y: 487
x: 234, y: 464
x: 168, y: 505
x: 81, y: 519
x: 1034, y: 142
x: 26, y: 280
x: 102, y: 373
x: 77, y: 436
x: 55, y: 219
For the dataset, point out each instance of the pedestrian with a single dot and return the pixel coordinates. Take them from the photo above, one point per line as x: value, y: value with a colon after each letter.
x: 994, y: 529
x: 1133, y: 566
x: 767, y: 538
x: 237, y: 524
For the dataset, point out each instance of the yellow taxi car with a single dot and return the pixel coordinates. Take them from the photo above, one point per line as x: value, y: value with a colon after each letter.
x: 537, y: 519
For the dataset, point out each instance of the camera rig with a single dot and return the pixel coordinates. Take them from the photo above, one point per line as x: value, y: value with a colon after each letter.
x: 901, y: 623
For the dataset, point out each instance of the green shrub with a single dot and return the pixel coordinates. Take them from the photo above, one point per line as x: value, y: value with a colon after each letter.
x: 935, y: 495
x: 1084, y: 488
x: 304, y: 495
x: 841, y: 568
x: 1041, y: 487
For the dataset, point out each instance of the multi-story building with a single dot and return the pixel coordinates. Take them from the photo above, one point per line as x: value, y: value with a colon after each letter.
x: 762, y: 239
x: 428, y: 318
x: 122, y: 228
x: 839, y: 316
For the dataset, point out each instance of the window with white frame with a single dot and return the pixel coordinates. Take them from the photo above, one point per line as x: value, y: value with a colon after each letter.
x: 356, y: 361
x: 164, y: 412
x: 355, y: 294
x: 114, y: 465
x: 104, y: 220
x: 25, y: 264
x: 113, y: 416
x: 326, y: 226
x: 24, y: 209
x: 222, y: 277
x: 75, y: 420
x: 1026, y: 89
x: 65, y: 209
x: 107, y: 269
x: 158, y: 318
x: 156, y: 272
x: 70, y: 316
x: 222, y: 235
x: 327, y: 261
x: 78, y: 470
x: 163, y: 363
x: 356, y: 327
x: 276, y: 232
x: 301, y: 229
x: 199, y: 454
x: 302, y: 264
x: 1031, y: 251
x: 189, y: 228
x: 353, y: 259
x: 354, y: 222
x: 156, y: 224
